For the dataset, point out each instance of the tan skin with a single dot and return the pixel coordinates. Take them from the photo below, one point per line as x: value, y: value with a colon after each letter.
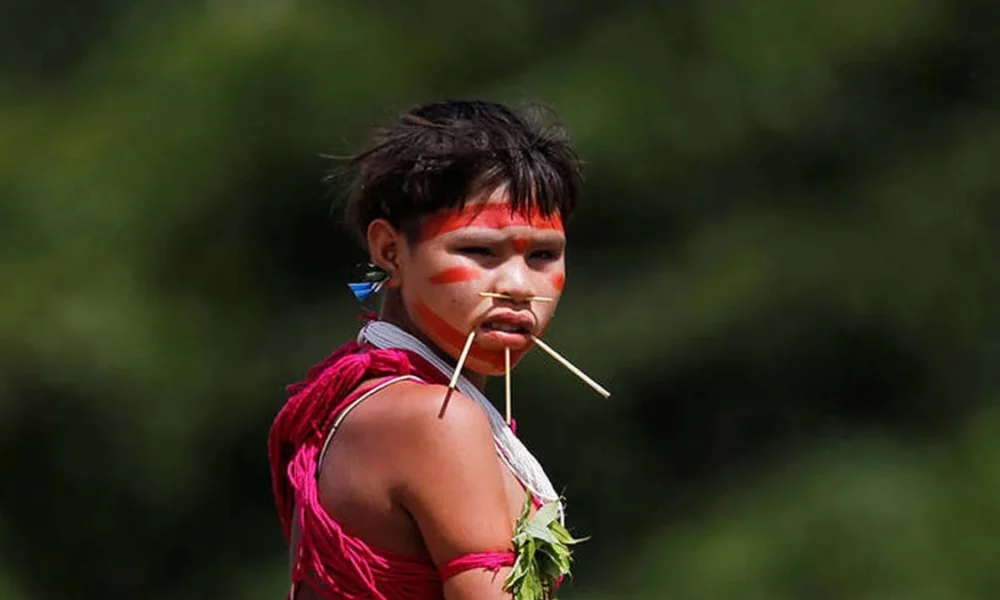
x: 400, y: 473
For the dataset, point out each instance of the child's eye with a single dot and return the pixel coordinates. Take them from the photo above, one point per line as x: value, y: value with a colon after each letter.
x: 544, y: 255
x: 476, y: 251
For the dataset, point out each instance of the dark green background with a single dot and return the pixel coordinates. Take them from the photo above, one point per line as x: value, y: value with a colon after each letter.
x: 784, y: 268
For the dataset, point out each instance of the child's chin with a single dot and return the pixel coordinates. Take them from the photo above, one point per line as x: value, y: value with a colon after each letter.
x: 490, y: 371
x: 484, y: 368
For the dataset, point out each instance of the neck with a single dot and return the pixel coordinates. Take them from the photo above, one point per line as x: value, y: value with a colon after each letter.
x: 394, y: 312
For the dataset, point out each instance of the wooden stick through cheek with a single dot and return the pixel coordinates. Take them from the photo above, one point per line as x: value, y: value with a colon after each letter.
x: 506, y: 360
x: 461, y: 360
x: 572, y: 368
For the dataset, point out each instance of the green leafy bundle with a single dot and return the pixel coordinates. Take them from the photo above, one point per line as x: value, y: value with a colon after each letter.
x: 541, y: 544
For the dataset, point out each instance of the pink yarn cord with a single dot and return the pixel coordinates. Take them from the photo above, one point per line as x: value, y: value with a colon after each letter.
x: 491, y: 561
x: 332, y: 562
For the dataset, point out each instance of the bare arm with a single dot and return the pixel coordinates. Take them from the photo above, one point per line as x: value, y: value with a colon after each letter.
x: 452, y: 485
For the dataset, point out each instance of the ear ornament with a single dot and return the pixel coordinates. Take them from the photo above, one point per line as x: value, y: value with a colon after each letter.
x: 370, y: 280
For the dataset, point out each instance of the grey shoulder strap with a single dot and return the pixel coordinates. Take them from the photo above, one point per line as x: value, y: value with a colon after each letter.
x: 352, y: 406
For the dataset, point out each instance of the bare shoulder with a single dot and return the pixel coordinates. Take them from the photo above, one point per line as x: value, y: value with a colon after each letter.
x: 410, y: 422
x: 449, y: 477
x: 435, y: 411
x: 418, y: 422
x: 436, y: 460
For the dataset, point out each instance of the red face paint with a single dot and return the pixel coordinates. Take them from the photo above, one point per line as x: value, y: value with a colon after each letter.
x: 520, y: 244
x: 559, y: 281
x: 455, y: 339
x: 455, y: 275
x: 494, y: 215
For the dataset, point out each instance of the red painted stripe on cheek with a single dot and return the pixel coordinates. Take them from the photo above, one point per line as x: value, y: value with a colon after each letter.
x: 438, y: 327
x: 453, y: 340
x: 454, y: 275
x: 450, y: 337
x: 559, y: 281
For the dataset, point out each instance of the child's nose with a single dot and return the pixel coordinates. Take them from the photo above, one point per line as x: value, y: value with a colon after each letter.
x: 513, y: 280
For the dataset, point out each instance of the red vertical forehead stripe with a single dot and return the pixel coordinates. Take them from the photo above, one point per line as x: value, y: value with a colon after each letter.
x: 494, y: 215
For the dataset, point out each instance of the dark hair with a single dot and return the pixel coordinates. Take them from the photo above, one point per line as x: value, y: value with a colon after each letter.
x: 439, y: 155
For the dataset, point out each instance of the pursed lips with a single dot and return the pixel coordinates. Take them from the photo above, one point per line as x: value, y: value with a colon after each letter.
x: 454, y: 339
x: 509, y: 321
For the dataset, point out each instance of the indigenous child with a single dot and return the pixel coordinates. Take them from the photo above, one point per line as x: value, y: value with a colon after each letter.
x: 389, y: 483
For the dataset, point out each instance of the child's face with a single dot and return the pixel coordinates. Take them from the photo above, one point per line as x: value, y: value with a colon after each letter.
x: 484, y: 248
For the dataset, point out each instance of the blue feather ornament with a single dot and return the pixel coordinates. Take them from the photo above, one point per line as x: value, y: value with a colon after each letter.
x: 372, y: 278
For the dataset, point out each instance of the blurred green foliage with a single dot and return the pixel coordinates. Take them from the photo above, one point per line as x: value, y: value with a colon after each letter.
x: 784, y: 269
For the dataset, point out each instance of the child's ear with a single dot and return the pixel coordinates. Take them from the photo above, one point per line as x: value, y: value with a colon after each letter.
x: 385, y: 249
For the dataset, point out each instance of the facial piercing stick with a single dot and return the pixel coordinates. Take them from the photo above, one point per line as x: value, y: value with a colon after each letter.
x: 509, y: 297
x: 506, y: 361
x: 492, y: 295
x: 597, y: 387
x: 461, y: 360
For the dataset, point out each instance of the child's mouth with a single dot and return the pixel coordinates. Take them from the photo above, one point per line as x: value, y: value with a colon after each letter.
x: 505, y: 335
x: 505, y: 327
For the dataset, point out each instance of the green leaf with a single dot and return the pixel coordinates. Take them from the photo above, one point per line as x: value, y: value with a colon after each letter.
x: 546, y: 514
x: 541, y: 544
x: 541, y: 532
